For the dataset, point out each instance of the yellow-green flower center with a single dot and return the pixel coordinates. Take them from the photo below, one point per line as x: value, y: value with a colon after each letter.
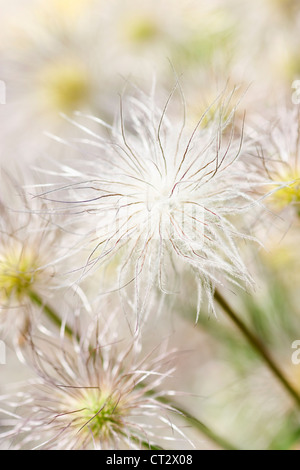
x: 214, y: 34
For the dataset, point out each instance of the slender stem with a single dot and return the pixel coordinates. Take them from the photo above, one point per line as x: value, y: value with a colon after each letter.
x: 51, y: 314
x: 258, y: 346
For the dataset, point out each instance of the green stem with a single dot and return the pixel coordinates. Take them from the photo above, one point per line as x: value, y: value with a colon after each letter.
x: 51, y: 314
x: 258, y: 346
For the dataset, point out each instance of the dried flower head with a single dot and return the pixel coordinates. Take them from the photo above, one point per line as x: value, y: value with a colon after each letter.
x: 161, y: 198
x: 18, y: 271
x: 279, y: 151
x: 93, y: 395
x: 30, y: 247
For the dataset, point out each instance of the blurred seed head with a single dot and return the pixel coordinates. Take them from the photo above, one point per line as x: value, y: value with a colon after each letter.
x: 163, y: 196
x: 31, y: 249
